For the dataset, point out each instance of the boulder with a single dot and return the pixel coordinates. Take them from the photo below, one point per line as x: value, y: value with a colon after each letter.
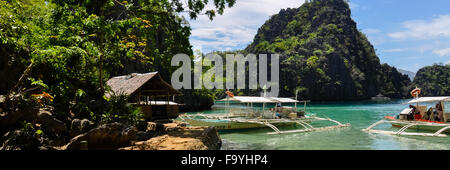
x: 50, y: 124
x: 145, y: 135
x: 151, y: 126
x: 182, y: 138
x: 169, y: 127
x: 155, y: 127
x: 78, y: 127
x: 107, y: 136
x: 164, y: 127
x: 16, y: 110
x: 21, y: 140
x: 210, y: 137
x: 167, y: 142
x: 16, y: 118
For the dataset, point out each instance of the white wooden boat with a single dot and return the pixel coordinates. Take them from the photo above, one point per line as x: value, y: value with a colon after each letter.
x: 236, y: 123
x: 250, y: 118
x: 420, y: 120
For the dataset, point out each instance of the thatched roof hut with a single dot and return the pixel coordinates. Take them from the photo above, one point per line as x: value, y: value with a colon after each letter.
x: 148, y: 84
x: 144, y: 91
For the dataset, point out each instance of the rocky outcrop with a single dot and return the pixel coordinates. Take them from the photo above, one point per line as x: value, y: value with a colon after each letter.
x: 29, y: 127
x: 323, y: 55
x: 21, y: 140
x: 50, y: 124
x: 167, y: 142
x: 24, y: 125
x: 105, y: 137
x: 78, y: 127
x: 16, y: 110
x: 53, y: 129
x: 433, y: 80
x: 181, y: 138
x: 154, y: 129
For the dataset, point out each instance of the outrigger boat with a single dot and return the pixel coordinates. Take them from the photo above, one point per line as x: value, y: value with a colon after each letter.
x: 250, y: 118
x: 417, y: 117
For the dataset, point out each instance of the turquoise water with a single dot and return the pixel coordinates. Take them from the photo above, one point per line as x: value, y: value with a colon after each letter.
x: 359, y: 114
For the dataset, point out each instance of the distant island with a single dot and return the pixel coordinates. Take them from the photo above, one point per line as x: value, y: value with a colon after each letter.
x: 410, y: 74
x: 433, y: 80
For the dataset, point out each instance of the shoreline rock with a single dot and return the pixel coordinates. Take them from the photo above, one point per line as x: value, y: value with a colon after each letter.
x: 105, y: 137
x: 78, y: 127
x: 179, y: 137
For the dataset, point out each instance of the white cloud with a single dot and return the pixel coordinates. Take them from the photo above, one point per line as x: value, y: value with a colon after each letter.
x: 417, y: 66
x: 448, y: 62
x: 442, y: 52
x: 220, y: 38
x: 422, y: 29
x: 237, y: 26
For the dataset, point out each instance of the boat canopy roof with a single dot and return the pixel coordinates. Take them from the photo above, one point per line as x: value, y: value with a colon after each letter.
x: 285, y: 100
x: 159, y: 103
x: 429, y: 99
x: 251, y: 99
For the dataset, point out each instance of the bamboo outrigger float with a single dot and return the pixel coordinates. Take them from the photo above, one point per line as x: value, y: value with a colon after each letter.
x: 417, y: 117
x: 250, y: 118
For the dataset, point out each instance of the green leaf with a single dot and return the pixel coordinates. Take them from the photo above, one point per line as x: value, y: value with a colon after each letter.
x: 39, y: 132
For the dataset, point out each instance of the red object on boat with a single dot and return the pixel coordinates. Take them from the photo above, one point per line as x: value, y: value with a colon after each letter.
x: 230, y: 94
x: 389, y: 117
x: 417, y: 116
x: 415, y: 92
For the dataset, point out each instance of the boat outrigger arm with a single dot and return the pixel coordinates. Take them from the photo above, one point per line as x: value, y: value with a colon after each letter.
x: 409, y: 125
x: 308, y: 127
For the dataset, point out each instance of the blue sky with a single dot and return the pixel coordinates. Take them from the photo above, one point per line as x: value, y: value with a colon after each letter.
x: 407, y: 34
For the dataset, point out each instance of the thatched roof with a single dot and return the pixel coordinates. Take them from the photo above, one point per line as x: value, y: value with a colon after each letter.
x: 148, y: 84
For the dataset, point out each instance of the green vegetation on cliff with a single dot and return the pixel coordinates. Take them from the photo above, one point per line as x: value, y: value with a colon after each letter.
x: 433, y: 80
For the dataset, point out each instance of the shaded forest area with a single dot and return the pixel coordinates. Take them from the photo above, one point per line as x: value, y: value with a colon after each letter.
x: 57, y: 55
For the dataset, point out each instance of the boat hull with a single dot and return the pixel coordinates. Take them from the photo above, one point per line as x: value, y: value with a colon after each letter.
x: 402, y: 123
x: 233, y: 125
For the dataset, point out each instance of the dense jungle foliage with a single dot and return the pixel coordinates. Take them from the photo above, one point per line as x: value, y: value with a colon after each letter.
x: 68, y: 49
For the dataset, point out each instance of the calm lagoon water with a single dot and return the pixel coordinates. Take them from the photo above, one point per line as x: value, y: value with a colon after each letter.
x: 359, y: 114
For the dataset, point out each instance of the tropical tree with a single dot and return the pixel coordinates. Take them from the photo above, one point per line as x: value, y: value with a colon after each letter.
x: 74, y: 46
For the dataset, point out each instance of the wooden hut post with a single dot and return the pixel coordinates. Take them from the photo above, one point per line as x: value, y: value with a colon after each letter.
x: 139, y: 96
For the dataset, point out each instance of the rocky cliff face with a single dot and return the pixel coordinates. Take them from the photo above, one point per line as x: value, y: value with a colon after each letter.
x: 324, y: 56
